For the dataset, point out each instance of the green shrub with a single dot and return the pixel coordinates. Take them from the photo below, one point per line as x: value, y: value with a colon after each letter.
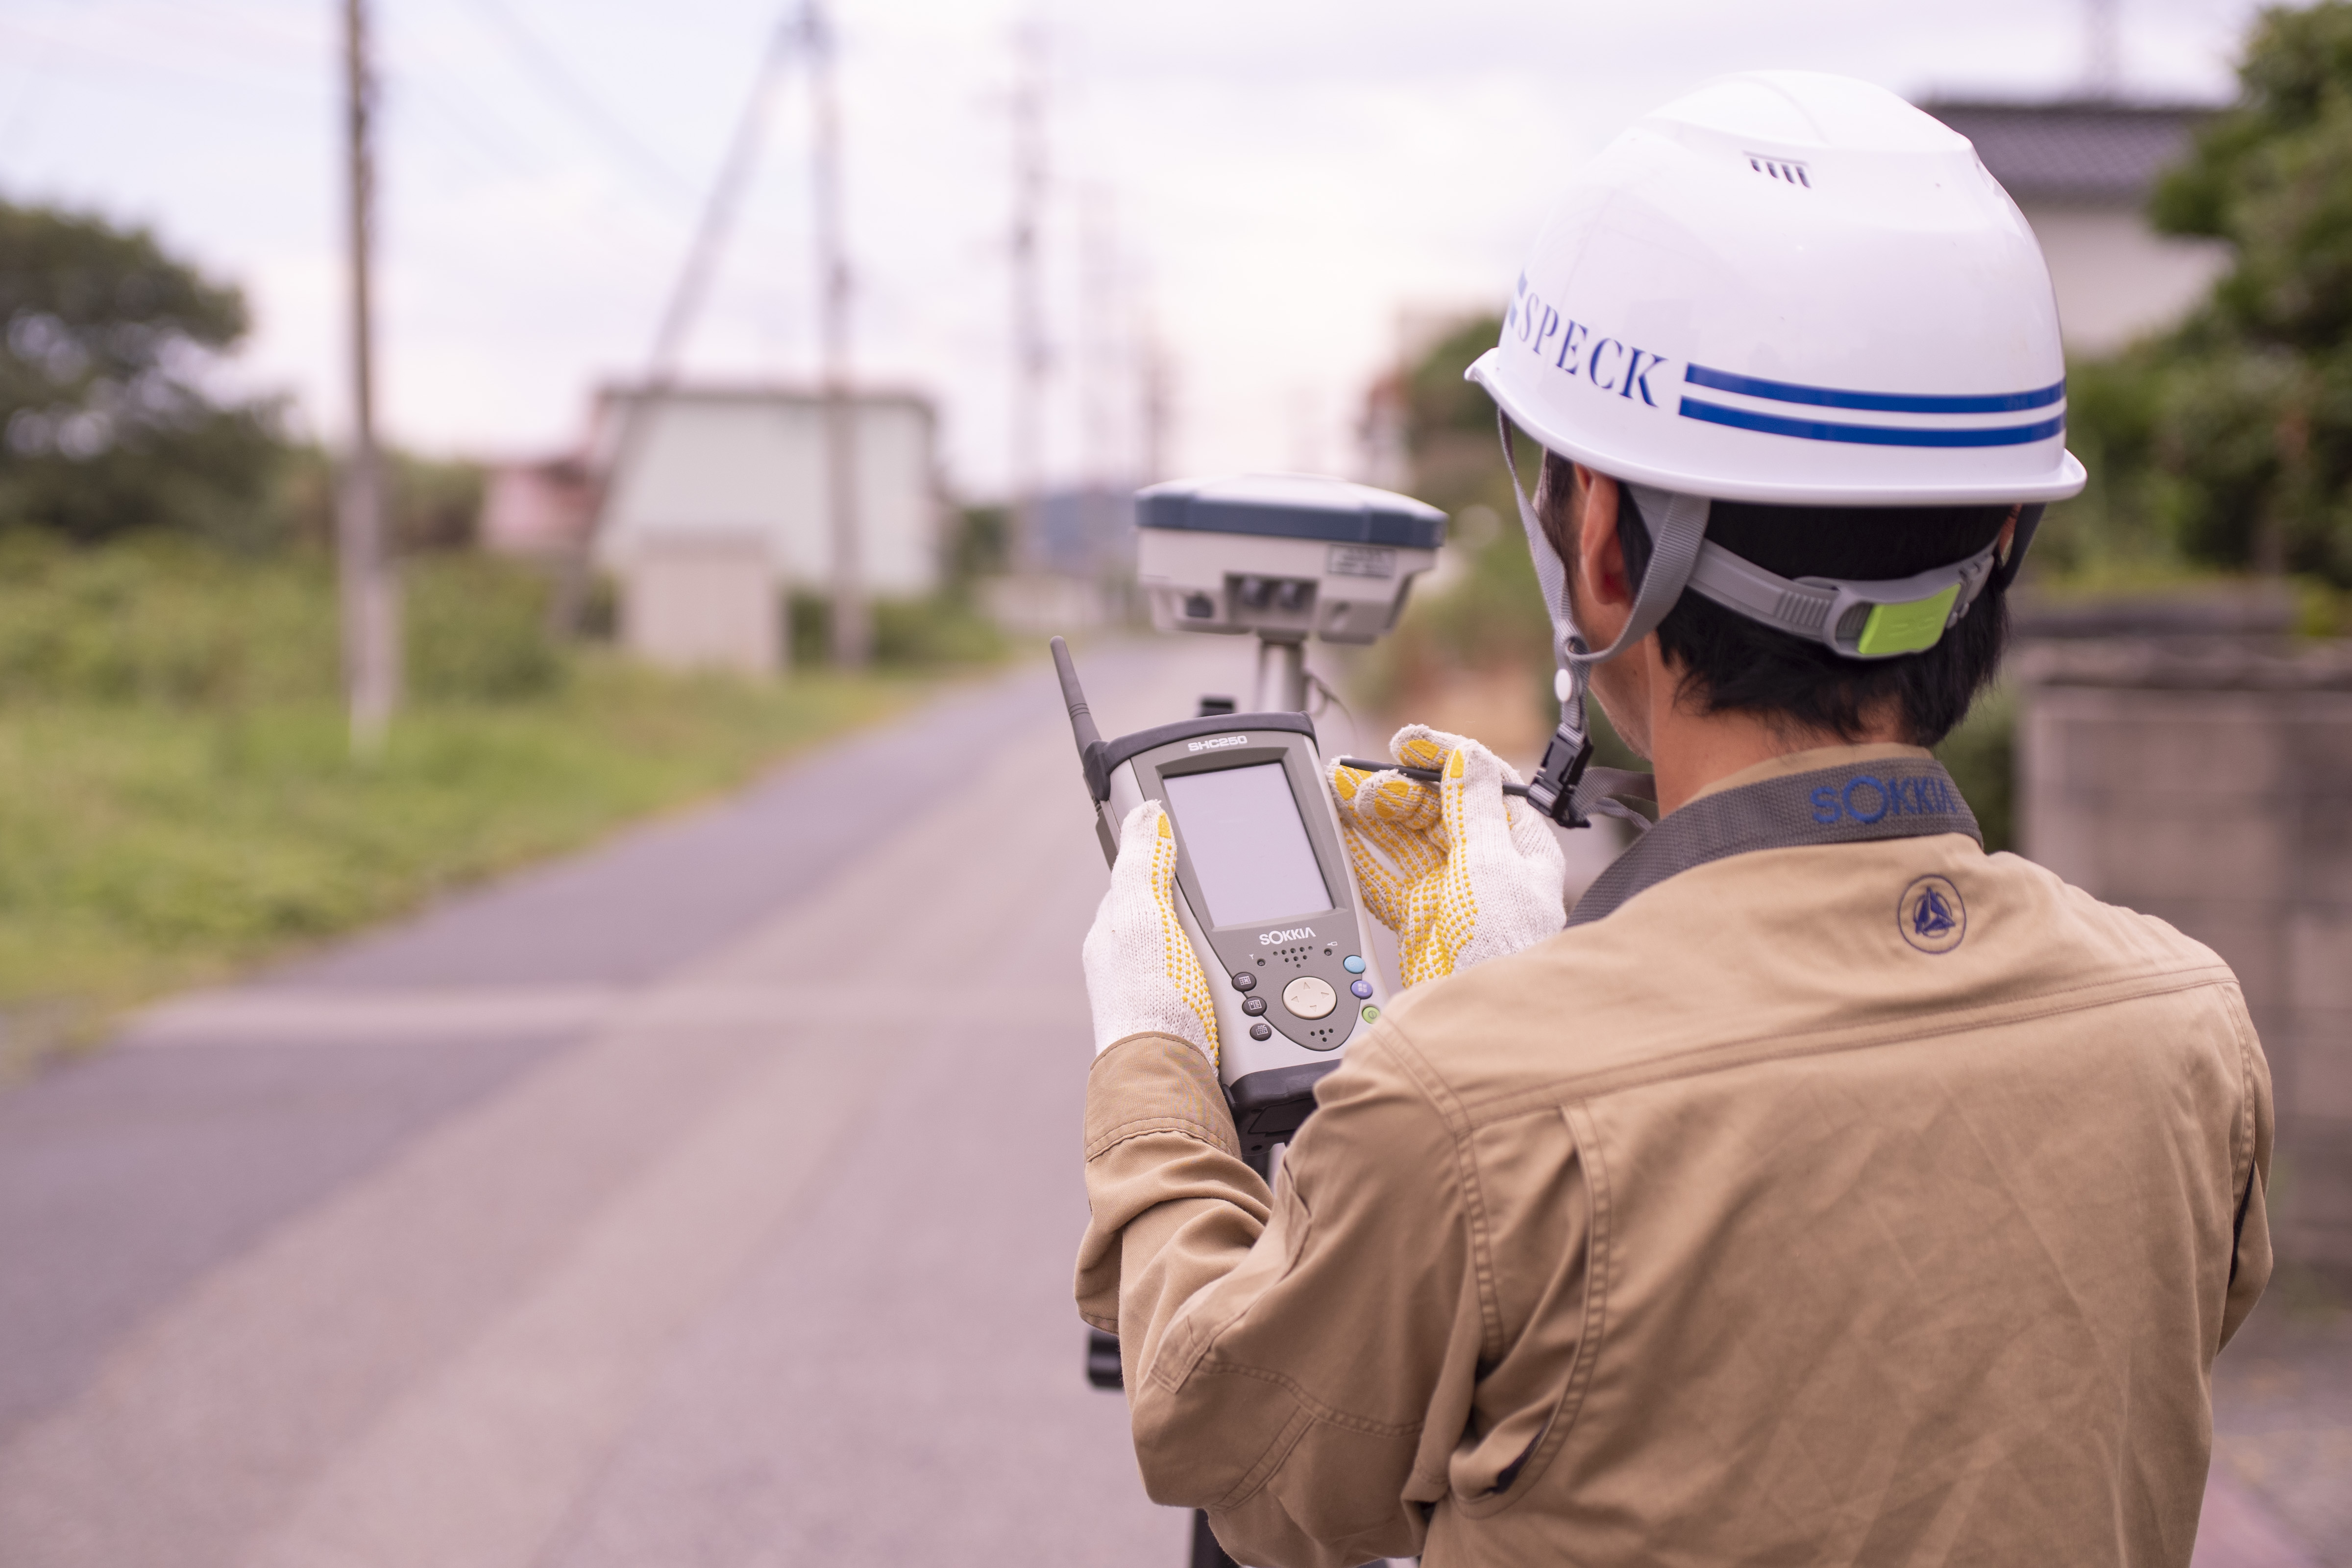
x: 1981, y: 756
x: 169, y: 622
x: 908, y: 634
x: 939, y: 630
x: 478, y: 630
x: 162, y: 621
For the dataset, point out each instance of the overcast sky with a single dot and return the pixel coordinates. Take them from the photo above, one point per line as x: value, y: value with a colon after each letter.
x: 1266, y: 187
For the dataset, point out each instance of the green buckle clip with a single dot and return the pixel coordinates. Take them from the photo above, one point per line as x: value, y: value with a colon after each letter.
x: 1907, y: 627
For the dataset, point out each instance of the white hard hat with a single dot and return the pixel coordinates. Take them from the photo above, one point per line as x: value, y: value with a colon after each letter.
x: 1792, y: 288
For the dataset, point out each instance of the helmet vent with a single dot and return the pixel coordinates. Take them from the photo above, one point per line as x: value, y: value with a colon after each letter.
x: 1787, y: 169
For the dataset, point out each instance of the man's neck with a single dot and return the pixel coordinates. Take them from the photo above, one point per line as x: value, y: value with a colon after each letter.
x: 1689, y: 761
x: 1691, y: 750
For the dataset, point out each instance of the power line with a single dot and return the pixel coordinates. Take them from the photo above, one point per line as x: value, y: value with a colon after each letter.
x: 638, y: 409
x: 719, y: 206
x: 479, y: 130
x: 557, y: 80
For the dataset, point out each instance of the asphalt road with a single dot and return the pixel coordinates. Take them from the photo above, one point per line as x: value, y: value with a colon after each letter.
x: 709, y: 1199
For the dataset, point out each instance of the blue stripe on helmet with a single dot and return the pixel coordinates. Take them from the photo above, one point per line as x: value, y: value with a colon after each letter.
x: 1875, y: 402
x: 1870, y: 434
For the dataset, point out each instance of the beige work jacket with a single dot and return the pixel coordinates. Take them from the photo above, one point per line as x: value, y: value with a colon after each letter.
x: 1766, y: 1219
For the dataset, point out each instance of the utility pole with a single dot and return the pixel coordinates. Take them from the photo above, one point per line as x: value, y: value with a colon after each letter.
x: 1029, y: 352
x: 370, y: 593
x: 1098, y: 355
x: 852, y: 628
x: 2103, y: 48
x: 1156, y: 403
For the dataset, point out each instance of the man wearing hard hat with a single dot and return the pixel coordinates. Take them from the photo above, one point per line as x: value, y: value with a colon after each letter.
x: 1827, y: 1190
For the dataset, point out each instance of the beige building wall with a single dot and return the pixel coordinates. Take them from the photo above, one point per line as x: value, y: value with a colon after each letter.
x: 2213, y: 789
x: 702, y: 604
x: 2118, y: 280
x: 748, y: 462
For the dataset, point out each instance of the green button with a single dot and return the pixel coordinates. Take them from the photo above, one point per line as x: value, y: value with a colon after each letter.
x: 1906, y: 629
x: 1371, y: 1014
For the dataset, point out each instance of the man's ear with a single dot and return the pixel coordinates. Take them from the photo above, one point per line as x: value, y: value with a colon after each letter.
x: 1604, y: 593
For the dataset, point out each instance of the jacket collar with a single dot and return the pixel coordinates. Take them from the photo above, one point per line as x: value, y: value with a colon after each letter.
x: 1840, y: 795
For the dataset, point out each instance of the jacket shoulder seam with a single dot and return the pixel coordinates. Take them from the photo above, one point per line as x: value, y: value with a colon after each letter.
x: 1327, y: 1415
x: 1704, y: 1060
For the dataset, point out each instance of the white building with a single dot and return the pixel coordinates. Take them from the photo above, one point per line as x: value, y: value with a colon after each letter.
x: 718, y: 504
x: 2080, y: 170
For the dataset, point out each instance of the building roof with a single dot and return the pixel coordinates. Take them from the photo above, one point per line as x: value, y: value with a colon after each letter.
x: 2078, y: 150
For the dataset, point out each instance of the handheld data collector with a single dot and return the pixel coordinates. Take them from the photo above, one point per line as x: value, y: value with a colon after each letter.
x: 1265, y: 893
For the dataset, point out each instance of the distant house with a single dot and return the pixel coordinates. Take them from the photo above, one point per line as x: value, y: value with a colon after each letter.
x: 713, y: 502
x: 1088, y: 531
x: 539, y: 508
x: 2081, y: 170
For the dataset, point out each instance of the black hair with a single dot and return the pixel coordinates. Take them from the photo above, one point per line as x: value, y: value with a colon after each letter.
x: 1735, y: 665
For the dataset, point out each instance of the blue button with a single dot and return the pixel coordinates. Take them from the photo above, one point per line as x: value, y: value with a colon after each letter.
x: 1362, y: 988
x: 1352, y: 965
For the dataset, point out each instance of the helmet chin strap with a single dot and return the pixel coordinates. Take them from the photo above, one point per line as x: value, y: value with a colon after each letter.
x: 1860, y: 620
x: 1566, y: 786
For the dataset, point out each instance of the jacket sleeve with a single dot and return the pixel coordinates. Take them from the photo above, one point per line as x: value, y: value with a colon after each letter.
x: 1301, y: 1363
x: 2250, y: 1257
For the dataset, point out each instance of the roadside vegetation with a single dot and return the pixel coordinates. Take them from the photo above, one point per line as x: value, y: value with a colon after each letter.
x: 178, y: 796
x: 2219, y: 451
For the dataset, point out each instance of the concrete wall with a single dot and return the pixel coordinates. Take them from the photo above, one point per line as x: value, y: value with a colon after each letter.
x: 702, y: 604
x: 2212, y: 788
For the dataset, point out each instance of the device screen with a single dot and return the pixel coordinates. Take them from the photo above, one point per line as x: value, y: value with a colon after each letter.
x: 1247, y: 844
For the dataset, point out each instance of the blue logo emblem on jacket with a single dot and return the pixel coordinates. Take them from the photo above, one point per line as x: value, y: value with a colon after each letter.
x: 1931, y: 915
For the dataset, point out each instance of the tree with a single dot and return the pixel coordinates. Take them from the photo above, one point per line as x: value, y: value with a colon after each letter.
x: 2231, y: 438
x: 105, y: 425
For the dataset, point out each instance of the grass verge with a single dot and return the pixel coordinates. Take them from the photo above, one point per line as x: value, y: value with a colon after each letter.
x: 146, y: 847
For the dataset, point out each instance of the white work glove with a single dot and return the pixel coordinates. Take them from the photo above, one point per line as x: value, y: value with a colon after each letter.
x: 1459, y: 870
x: 1142, y: 976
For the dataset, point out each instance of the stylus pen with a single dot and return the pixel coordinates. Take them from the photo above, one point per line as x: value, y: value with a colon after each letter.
x: 1419, y: 775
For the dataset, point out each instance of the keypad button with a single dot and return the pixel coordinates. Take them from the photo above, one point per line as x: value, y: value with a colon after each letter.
x: 1261, y: 1031
x: 1307, y: 997
x: 1244, y: 980
x: 1371, y: 1014
x: 1254, y: 1006
x: 1362, y: 988
x: 1352, y: 965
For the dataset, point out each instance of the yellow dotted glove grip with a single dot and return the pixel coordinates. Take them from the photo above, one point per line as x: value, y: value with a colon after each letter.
x: 1433, y: 859
x: 1182, y: 964
x: 1142, y: 976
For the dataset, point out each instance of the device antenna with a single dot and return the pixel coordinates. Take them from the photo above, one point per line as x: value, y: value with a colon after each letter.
x: 1082, y: 723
